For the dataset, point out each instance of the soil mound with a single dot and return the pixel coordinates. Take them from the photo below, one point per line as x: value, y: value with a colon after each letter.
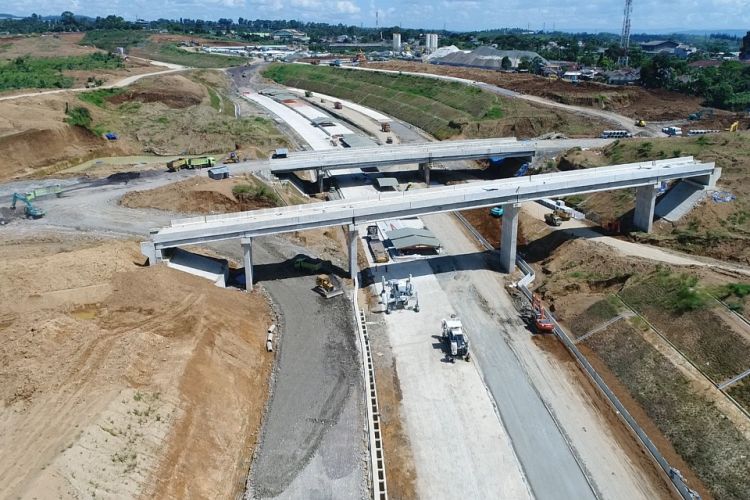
x: 174, y: 91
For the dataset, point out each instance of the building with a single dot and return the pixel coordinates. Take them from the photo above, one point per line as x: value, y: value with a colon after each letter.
x: 623, y: 76
x: 397, y: 42
x: 488, y: 58
x: 659, y: 46
x: 290, y: 35
x: 414, y: 241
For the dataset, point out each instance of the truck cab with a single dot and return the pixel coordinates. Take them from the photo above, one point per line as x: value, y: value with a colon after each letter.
x: 456, y: 342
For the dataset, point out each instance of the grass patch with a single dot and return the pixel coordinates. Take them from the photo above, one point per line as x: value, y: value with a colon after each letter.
x: 699, y: 432
x: 47, y: 72
x: 171, y: 53
x: 741, y: 393
x: 79, y: 117
x: 443, y: 109
x: 679, y: 307
x: 214, y: 98
x: 99, y: 97
x: 596, y: 314
x: 109, y: 40
x: 256, y: 193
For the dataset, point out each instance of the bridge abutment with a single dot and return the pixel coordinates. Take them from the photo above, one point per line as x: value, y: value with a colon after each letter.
x: 509, y: 237
x: 247, y: 251
x: 153, y: 255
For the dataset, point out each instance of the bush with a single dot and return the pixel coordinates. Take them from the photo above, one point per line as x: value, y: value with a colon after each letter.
x: 248, y: 193
x: 79, y: 117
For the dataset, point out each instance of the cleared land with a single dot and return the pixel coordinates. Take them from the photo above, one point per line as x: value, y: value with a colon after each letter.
x: 124, y: 381
x: 720, y: 230
x: 440, y: 108
x: 679, y: 407
x: 631, y: 101
x: 165, y: 115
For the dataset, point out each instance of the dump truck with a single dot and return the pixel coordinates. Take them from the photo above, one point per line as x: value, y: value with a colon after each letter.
x: 203, y: 161
x: 455, y: 340
x: 308, y: 264
x: 177, y: 164
x: 552, y: 219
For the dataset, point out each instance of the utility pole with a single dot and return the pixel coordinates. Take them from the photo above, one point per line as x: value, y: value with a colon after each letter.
x: 625, y: 35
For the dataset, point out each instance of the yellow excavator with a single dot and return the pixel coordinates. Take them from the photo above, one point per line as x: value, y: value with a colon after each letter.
x: 640, y: 123
x: 734, y: 127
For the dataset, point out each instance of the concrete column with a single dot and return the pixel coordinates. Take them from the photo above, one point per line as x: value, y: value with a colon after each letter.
x: 320, y: 180
x: 426, y: 172
x: 508, y: 237
x: 645, y: 201
x: 247, y: 250
x: 352, y: 235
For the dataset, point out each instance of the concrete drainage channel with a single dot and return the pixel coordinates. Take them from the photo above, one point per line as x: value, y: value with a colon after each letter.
x: 377, y: 460
x: 674, y: 475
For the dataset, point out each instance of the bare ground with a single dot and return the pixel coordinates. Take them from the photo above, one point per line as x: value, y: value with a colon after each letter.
x: 122, y: 380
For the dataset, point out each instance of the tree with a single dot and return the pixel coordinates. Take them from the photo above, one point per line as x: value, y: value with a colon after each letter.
x: 68, y: 19
x: 505, y: 63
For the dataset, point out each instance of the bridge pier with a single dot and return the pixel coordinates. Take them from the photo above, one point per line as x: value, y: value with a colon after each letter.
x: 425, y: 168
x: 247, y: 250
x: 319, y: 173
x: 352, y: 239
x: 509, y: 236
x: 645, y: 202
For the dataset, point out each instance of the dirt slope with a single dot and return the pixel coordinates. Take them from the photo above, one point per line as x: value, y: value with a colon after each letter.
x: 119, y: 380
x: 631, y: 101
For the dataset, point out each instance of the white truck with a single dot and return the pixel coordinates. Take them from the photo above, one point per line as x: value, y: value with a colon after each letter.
x: 456, y: 342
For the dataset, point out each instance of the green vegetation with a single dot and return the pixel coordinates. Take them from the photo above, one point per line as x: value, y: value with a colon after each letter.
x: 697, y: 429
x: 109, y: 40
x: 171, y: 53
x: 79, y: 117
x: 682, y: 310
x: 726, y: 86
x: 214, y: 98
x: 37, y: 72
x: 596, y: 314
x: 256, y: 193
x: 443, y: 109
x: 99, y: 97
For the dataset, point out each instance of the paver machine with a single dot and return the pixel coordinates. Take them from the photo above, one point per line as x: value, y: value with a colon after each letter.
x: 456, y: 342
x: 397, y: 294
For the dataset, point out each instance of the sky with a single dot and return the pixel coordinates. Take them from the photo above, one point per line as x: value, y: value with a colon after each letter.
x: 458, y: 15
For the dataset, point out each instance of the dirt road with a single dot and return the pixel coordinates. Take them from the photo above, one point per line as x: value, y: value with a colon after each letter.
x: 583, y: 229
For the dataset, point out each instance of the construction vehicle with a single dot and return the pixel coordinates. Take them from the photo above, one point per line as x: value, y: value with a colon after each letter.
x: 360, y: 57
x: 640, y: 123
x: 308, y: 264
x: 497, y: 212
x: 698, y: 115
x: 190, y: 163
x: 734, y: 127
x: 377, y: 248
x: 542, y: 324
x: 328, y: 285
x: 397, y: 294
x: 562, y: 214
x: 233, y: 158
x: 455, y: 339
x: 552, y: 219
x: 389, y: 140
x: 30, y: 210
x: 385, y: 127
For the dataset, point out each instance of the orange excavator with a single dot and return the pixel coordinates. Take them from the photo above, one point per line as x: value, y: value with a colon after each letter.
x: 541, y: 322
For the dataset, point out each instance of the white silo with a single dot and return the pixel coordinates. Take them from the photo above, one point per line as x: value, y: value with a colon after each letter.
x: 397, y: 42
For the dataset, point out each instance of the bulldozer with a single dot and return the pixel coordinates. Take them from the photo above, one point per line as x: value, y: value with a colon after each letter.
x: 328, y: 286
x: 640, y: 123
x: 232, y: 158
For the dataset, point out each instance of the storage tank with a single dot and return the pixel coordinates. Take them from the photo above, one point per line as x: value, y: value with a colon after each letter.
x: 397, y: 42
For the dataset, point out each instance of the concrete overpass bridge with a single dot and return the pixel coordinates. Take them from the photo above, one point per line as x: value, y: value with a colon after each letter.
x: 400, y: 154
x: 509, y: 193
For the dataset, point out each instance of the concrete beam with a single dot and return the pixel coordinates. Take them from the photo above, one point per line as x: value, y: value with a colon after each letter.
x: 645, y: 202
x: 509, y: 236
x: 709, y: 180
x: 352, y: 238
x: 247, y: 251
